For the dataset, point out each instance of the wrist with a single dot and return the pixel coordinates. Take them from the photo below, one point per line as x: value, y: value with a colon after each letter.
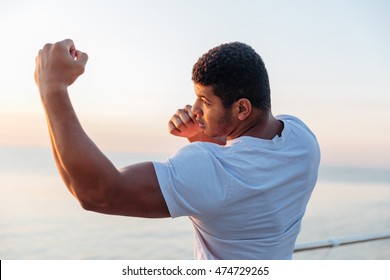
x: 54, y: 96
x: 50, y: 90
x: 204, y: 138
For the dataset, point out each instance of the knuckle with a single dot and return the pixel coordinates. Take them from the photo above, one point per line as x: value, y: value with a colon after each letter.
x: 67, y: 41
x: 179, y: 111
x: 171, y: 126
x: 57, y: 44
x: 47, y: 46
x: 177, y: 120
x: 173, y: 118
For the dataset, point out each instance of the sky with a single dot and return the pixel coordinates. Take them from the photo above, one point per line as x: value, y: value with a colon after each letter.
x: 328, y: 62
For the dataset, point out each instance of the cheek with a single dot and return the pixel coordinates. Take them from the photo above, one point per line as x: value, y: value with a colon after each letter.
x: 209, y: 115
x: 225, y: 122
x: 217, y: 120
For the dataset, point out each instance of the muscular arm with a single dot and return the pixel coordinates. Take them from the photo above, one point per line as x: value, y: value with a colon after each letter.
x: 86, y: 171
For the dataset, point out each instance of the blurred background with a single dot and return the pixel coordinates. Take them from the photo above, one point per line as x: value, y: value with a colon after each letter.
x: 328, y: 62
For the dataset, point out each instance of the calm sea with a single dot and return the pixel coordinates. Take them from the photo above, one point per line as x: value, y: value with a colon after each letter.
x: 39, y: 219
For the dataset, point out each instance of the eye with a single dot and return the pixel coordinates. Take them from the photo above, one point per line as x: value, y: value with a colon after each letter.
x: 205, y: 102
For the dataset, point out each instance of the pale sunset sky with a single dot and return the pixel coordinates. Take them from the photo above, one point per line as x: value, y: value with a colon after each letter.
x: 328, y: 62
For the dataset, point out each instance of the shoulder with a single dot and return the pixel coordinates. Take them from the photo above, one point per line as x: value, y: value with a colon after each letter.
x: 198, y: 150
x: 298, y: 135
x: 193, y: 181
x: 198, y: 159
x: 295, y: 124
x: 292, y: 120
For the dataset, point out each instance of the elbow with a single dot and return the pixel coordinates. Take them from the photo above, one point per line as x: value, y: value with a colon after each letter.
x: 95, y: 199
x: 93, y: 204
x: 86, y: 202
x: 94, y: 193
x: 87, y: 205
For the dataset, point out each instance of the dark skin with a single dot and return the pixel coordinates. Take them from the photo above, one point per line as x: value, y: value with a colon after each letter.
x: 132, y: 191
x: 207, y: 120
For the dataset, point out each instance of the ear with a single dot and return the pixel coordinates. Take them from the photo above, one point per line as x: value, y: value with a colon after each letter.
x: 244, y: 108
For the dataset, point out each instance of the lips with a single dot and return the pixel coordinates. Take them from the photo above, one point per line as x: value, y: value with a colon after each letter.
x: 201, y: 124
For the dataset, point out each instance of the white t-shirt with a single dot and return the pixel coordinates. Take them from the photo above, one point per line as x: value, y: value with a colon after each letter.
x: 246, y: 199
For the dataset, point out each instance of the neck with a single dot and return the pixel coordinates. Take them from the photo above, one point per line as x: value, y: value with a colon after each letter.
x: 260, y: 124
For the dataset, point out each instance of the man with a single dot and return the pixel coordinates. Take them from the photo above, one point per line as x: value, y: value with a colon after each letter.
x: 244, y: 181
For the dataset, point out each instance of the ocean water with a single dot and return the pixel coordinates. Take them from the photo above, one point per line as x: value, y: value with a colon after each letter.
x: 39, y: 218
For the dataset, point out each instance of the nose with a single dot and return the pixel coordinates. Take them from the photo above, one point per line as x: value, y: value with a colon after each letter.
x: 197, y: 107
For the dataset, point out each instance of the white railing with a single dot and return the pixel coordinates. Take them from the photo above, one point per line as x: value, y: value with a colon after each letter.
x: 340, y: 241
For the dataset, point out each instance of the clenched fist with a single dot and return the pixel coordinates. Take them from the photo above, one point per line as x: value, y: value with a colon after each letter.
x: 184, y: 123
x: 58, y: 66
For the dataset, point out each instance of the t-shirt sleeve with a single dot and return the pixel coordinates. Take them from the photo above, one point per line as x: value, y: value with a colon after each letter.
x: 193, y: 182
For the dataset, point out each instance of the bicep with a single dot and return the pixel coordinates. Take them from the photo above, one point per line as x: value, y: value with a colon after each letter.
x: 137, y: 193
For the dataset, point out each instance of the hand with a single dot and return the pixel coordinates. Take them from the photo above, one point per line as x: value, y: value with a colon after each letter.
x: 184, y: 123
x: 58, y: 66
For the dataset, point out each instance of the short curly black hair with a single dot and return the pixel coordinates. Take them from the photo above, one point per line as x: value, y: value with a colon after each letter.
x: 235, y: 71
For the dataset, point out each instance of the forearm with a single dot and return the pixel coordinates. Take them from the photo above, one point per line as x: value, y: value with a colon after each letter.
x: 84, y: 168
x: 203, y: 138
x: 64, y: 174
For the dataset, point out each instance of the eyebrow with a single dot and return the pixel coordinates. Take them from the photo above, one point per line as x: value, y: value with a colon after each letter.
x: 204, y: 97
x: 201, y: 96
